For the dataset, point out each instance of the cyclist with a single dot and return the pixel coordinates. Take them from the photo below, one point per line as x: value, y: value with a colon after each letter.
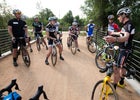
x: 74, y: 32
x: 52, y: 37
x: 90, y: 29
x: 37, y: 29
x: 125, y: 44
x: 17, y: 28
x: 112, y: 26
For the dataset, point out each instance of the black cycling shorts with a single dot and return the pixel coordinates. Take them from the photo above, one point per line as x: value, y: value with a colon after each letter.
x: 16, y: 42
x: 122, y: 57
x: 38, y: 34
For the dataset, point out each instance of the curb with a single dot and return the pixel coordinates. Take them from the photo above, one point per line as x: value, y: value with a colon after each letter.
x: 134, y: 84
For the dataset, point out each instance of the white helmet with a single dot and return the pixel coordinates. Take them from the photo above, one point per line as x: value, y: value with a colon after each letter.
x: 74, y: 23
x: 125, y: 10
x: 110, y: 17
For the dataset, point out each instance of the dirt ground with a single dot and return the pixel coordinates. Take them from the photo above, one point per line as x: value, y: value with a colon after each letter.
x: 71, y: 79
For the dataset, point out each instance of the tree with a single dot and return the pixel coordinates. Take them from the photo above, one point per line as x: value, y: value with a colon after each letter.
x: 5, y: 14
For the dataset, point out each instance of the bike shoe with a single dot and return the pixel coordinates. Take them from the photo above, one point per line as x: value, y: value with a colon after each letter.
x: 15, y: 64
x: 78, y: 50
x: 61, y: 58
x: 31, y: 50
x: 46, y: 62
x: 121, y: 85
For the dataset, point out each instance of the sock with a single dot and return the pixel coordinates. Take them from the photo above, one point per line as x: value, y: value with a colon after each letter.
x: 115, y: 85
x: 60, y: 55
x: 14, y: 59
x: 121, y: 81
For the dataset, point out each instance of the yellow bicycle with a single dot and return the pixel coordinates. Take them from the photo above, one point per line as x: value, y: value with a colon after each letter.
x: 103, y: 89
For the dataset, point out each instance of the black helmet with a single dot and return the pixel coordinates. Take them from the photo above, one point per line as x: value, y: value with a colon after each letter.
x: 110, y: 17
x: 125, y: 10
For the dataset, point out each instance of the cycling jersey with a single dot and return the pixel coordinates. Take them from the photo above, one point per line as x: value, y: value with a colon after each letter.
x: 113, y: 27
x: 51, y: 29
x: 128, y: 27
x: 90, y: 29
x: 73, y: 30
x: 18, y: 26
x: 37, y: 26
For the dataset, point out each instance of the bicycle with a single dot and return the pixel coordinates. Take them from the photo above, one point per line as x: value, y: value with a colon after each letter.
x: 71, y: 43
x: 25, y: 54
x: 91, y: 44
x: 54, y: 54
x: 105, y: 86
x: 39, y: 42
x: 11, y: 94
x: 106, y: 54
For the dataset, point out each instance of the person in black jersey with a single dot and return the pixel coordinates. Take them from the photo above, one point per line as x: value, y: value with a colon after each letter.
x: 17, y: 28
x: 38, y: 28
x: 125, y: 44
x: 52, y: 36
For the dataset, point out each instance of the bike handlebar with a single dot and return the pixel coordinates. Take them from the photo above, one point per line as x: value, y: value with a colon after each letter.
x: 9, y: 87
x: 38, y: 94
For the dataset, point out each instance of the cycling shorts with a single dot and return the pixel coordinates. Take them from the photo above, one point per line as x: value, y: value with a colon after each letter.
x: 122, y: 57
x: 38, y: 34
x: 50, y: 42
x: 16, y: 42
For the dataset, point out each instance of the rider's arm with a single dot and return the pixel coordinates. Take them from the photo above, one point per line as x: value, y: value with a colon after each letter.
x: 10, y: 31
x: 26, y: 31
x: 118, y: 39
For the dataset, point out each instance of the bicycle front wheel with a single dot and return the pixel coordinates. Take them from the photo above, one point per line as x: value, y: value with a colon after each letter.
x: 26, y: 57
x: 92, y: 47
x: 73, y: 47
x: 103, y: 91
x: 54, y: 56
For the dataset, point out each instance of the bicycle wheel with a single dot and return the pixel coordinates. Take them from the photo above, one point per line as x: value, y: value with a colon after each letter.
x: 26, y: 57
x: 101, y: 59
x: 54, y: 56
x: 101, y: 91
x: 92, y: 47
x: 38, y: 44
x: 73, y: 47
x: 111, y: 51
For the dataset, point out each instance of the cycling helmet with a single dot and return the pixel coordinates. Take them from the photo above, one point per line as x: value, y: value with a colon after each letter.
x: 35, y: 17
x: 74, y: 23
x: 51, y: 18
x: 90, y: 21
x: 110, y: 17
x: 15, y: 11
x: 125, y: 10
x: 55, y: 18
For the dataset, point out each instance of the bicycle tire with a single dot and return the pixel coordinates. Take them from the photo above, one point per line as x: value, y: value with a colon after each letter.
x: 38, y: 45
x: 111, y: 51
x: 54, y: 56
x: 73, y: 47
x: 92, y: 47
x: 105, y: 95
x: 26, y: 60
x: 101, y: 59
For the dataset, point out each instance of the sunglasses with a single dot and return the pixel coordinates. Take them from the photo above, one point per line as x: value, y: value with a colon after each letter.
x: 18, y: 13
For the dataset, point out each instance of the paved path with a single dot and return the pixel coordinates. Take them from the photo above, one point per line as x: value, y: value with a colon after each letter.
x: 72, y: 79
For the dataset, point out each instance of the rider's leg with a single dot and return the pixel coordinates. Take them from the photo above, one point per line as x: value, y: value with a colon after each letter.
x: 77, y: 46
x: 60, y: 51
x: 15, y: 45
x: 50, y: 43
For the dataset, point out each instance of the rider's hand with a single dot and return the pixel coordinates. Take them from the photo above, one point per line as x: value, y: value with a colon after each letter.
x: 13, y: 39
x: 110, y: 39
x: 27, y: 39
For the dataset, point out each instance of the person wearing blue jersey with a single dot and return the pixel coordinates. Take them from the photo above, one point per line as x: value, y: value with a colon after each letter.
x: 90, y: 29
